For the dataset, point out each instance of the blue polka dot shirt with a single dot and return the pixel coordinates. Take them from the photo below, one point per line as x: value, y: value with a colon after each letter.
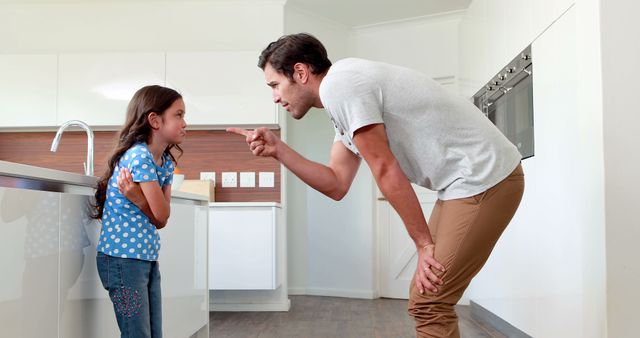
x: 126, y: 231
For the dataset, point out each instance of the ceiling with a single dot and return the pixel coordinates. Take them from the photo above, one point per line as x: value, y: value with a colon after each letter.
x: 365, y: 12
x: 351, y: 13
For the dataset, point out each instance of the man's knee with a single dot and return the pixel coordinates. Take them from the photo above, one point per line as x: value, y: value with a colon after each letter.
x: 434, y: 317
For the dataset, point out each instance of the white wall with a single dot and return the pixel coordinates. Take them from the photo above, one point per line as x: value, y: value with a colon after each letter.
x: 619, y: 32
x: 428, y: 44
x: 546, y: 274
x: 329, y: 243
x: 65, y: 26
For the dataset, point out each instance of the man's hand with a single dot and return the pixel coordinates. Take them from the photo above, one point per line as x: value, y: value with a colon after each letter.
x: 129, y: 188
x: 425, y: 273
x: 261, y: 141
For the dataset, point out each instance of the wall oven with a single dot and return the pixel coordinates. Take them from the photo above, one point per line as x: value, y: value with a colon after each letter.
x: 507, y: 100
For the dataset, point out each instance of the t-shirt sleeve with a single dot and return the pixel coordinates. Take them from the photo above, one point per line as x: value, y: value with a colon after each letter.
x: 353, y: 99
x: 141, y: 166
x: 170, y: 169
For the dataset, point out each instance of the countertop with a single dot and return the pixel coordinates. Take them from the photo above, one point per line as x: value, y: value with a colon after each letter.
x: 44, y: 174
x: 18, y: 170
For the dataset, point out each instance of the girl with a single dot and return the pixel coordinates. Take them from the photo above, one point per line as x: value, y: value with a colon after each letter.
x: 132, y: 200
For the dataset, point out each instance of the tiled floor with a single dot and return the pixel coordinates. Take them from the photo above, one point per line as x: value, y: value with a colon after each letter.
x: 329, y: 317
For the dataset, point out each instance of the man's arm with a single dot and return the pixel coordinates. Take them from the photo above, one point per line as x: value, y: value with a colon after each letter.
x: 332, y: 180
x: 373, y: 145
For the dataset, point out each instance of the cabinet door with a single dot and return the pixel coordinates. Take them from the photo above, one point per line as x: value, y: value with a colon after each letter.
x: 29, y: 259
x: 96, y: 88
x: 85, y: 310
x: 221, y: 88
x: 398, y: 258
x: 474, y: 50
x: 183, y: 309
x: 28, y: 86
x: 242, y: 248
x: 546, y: 12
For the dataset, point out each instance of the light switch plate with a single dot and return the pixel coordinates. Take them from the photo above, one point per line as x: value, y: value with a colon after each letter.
x: 208, y: 175
x: 230, y: 179
x: 266, y: 179
x: 247, y: 180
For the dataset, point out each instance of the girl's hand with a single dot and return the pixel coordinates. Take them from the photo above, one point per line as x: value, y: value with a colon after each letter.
x: 262, y: 141
x: 425, y: 272
x: 129, y: 188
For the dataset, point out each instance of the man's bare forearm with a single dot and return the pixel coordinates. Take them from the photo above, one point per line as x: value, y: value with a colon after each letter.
x: 397, y: 189
x: 318, y: 176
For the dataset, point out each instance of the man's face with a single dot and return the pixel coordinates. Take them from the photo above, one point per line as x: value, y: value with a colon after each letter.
x: 293, y: 95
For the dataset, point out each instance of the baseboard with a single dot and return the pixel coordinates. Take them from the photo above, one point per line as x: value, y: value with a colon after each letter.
x: 483, y: 315
x: 297, y: 291
x: 370, y: 294
x: 250, y: 307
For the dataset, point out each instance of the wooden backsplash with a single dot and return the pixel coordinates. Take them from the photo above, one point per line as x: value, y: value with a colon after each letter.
x: 204, y: 150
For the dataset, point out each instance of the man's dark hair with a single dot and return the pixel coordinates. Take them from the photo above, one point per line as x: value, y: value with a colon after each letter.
x: 288, y: 50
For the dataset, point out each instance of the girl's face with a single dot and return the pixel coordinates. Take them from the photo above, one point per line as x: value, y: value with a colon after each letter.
x: 172, y: 125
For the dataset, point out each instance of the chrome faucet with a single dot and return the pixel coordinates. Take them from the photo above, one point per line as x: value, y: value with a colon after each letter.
x: 88, y: 165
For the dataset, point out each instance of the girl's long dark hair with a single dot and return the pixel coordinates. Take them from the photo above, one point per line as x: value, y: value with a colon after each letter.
x: 150, y: 99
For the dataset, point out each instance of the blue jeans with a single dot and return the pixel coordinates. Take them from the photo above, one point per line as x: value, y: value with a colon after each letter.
x: 134, y: 289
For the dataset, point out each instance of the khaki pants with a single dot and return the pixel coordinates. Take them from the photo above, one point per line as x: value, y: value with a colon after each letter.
x: 465, y: 231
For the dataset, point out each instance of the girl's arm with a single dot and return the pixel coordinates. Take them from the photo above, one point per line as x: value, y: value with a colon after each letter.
x: 152, y: 200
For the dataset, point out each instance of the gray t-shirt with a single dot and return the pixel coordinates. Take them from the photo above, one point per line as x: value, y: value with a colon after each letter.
x: 441, y: 140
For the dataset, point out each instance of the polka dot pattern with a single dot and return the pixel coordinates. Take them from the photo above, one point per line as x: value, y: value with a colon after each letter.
x: 126, y: 231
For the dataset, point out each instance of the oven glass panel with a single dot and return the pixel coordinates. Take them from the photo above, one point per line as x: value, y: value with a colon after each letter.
x: 512, y: 113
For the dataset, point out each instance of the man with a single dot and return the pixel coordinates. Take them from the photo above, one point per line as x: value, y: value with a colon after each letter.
x: 408, y: 129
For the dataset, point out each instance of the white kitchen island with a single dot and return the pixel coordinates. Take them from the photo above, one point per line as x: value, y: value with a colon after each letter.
x: 50, y: 286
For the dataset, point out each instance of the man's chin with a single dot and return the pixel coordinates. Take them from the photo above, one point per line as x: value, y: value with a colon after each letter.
x: 298, y: 115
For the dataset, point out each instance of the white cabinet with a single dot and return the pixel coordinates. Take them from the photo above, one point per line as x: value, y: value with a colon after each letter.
x: 28, y: 90
x: 243, y: 251
x: 29, y: 260
x: 221, y: 88
x: 397, y: 256
x: 494, y: 31
x: 96, y: 88
x: 85, y: 310
x: 48, y: 257
x: 546, y: 12
x: 564, y: 139
x: 473, y: 51
x: 185, y: 295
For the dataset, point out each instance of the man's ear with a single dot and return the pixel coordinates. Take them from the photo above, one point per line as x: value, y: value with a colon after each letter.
x: 154, y: 120
x: 301, y: 72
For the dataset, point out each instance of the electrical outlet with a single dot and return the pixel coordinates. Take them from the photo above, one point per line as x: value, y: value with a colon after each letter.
x: 230, y: 179
x: 266, y: 179
x: 247, y: 180
x: 208, y: 175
